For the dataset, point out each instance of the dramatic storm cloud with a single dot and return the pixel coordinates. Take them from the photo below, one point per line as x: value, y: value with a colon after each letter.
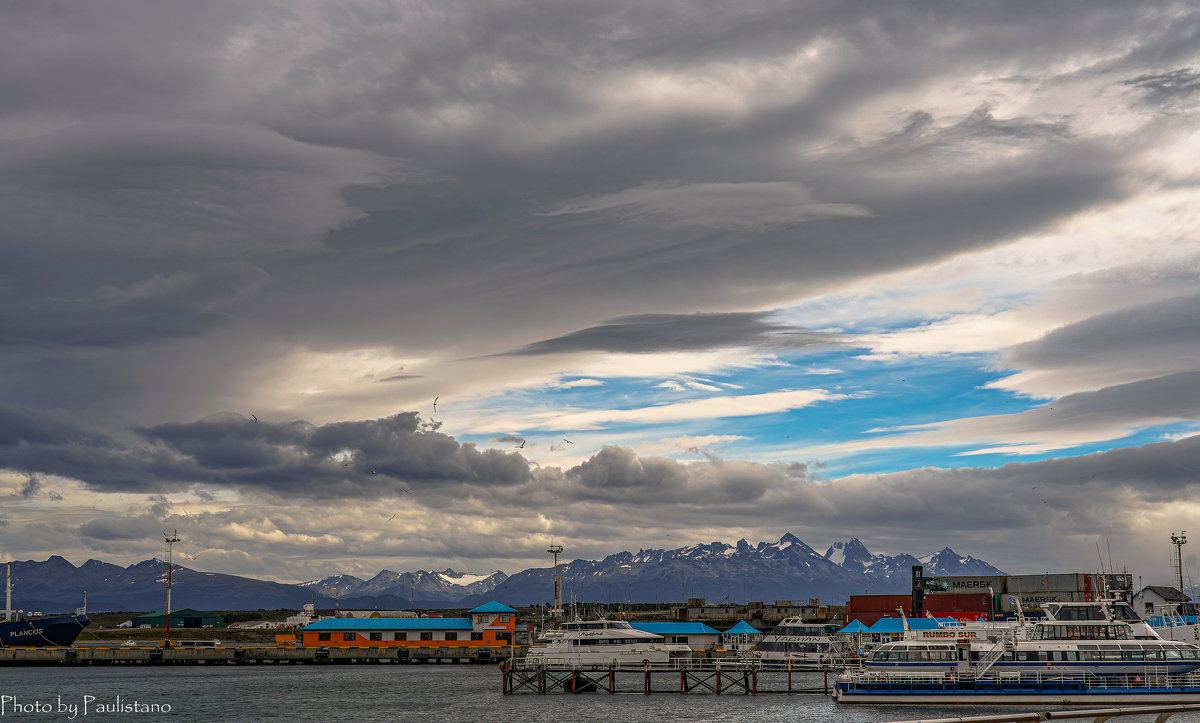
x: 413, y: 285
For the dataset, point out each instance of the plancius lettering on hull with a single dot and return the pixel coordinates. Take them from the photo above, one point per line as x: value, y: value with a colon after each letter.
x: 31, y: 631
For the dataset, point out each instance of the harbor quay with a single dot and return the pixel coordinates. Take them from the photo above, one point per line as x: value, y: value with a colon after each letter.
x: 251, y: 655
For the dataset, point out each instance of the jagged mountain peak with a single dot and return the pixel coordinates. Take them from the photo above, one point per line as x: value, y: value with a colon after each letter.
x: 852, y: 554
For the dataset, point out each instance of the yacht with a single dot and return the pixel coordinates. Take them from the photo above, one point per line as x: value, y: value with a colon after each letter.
x: 604, y: 643
x: 797, y: 643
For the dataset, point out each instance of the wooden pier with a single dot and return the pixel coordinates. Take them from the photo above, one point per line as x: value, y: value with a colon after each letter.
x: 706, y: 677
x: 247, y: 655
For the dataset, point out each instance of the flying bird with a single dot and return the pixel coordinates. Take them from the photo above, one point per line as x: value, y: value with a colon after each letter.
x: 568, y: 441
x: 254, y: 417
x: 521, y: 445
x: 435, y: 402
x: 391, y: 518
x: 374, y: 471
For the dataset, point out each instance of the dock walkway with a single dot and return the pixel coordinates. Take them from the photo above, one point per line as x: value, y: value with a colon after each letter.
x: 718, y: 677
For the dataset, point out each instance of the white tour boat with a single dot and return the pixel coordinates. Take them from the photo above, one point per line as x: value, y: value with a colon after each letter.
x: 797, y: 643
x: 598, y: 644
x: 1093, y: 638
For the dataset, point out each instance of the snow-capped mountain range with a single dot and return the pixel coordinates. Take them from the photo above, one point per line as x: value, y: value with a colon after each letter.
x: 784, y: 570
x: 390, y: 588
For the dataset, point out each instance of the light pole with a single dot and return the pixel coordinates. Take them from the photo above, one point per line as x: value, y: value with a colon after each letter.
x: 1179, y: 541
x: 171, y: 540
x: 557, y: 611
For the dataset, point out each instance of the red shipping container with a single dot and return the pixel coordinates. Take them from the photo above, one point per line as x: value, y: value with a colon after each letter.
x: 959, y: 602
x: 879, y: 603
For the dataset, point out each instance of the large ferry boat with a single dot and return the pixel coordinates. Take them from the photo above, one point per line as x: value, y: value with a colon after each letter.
x: 604, y: 643
x: 795, y: 643
x: 1100, y: 652
x: 37, y: 632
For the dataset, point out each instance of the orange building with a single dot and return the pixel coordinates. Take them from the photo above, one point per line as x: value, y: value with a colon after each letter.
x: 489, y: 625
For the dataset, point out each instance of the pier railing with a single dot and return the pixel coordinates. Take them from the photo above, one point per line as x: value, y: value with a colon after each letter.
x: 721, y: 676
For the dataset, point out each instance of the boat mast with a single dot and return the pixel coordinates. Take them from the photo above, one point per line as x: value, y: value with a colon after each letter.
x: 8, y: 594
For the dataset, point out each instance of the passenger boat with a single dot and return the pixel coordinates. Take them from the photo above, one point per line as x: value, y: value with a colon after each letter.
x: 795, y: 643
x: 1099, y: 652
x: 37, y: 632
x: 603, y: 643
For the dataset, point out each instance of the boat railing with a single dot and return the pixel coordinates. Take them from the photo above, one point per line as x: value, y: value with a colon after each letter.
x: 990, y: 658
x: 1150, y: 677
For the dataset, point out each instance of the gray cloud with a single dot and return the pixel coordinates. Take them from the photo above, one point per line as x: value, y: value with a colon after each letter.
x: 1161, y: 336
x: 183, y: 304
x: 382, y: 457
x: 680, y: 332
x: 1169, y: 88
x: 31, y: 487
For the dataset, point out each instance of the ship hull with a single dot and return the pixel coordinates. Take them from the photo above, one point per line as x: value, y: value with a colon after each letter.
x: 1023, y: 690
x: 58, y: 631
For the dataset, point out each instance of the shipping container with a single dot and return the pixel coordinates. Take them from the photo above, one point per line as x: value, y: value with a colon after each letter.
x: 1069, y: 582
x: 961, y: 616
x: 868, y: 619
x: 979, y: 602
x: 878, y: 603
x: 974, y: 583
x: 1033, y: 601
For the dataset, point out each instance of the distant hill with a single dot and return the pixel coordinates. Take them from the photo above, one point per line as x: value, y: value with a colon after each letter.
x: 784, y: 570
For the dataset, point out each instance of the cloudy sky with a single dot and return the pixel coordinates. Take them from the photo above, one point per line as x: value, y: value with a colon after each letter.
x: 672, y: 272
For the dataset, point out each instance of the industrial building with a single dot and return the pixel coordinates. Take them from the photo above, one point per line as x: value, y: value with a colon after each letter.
x: 489, y: 625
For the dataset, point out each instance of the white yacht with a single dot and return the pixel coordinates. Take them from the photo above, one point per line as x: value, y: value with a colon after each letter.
x: 603, y: 643
x: 796, y: 642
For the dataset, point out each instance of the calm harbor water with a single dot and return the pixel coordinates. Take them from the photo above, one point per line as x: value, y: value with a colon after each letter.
x: 425, y: 693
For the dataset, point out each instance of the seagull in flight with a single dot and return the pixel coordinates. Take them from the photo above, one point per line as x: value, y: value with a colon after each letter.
x: 374, y: 471
x: 568, y: 441
x: 521, y: 445
x: 254, y: 417
x: 391, y: 518
x: 435, y: 402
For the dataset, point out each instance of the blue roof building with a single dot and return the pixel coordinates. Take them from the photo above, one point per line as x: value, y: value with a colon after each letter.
x: 743, y: 628
x: 697, y: 635
x: 489, y: 624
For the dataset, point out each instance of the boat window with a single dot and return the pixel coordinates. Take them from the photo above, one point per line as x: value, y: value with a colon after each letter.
x: 349, y: 636
x: 879, y: 655
x: 399, y: 636
x: 1173, y: 654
